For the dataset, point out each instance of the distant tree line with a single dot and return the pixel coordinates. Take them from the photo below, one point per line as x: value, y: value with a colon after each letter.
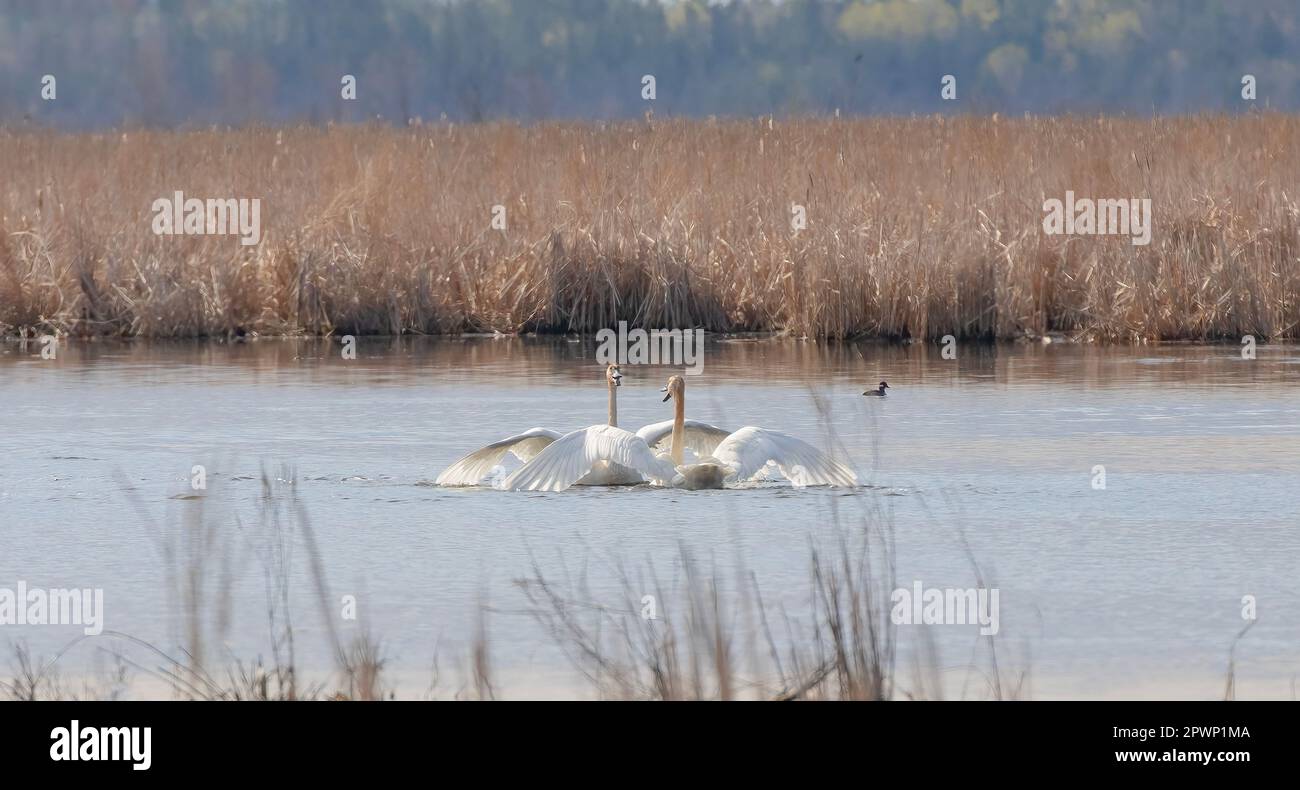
x: 194, y: 62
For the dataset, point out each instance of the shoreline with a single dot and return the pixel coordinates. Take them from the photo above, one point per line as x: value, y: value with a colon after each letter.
x: 1052, y: 338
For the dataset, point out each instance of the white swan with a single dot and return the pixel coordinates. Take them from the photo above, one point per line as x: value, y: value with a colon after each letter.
x: 471, y: 469
x: 740, y: 456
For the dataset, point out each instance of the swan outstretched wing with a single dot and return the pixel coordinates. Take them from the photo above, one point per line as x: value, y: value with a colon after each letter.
x: 699, y: 437
x: 748, y: 450
x: 477, y: 465
x: 573, y: 455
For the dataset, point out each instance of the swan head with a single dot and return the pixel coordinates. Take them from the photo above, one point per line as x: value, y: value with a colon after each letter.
x: 613, y: 376
x: 676, y: 387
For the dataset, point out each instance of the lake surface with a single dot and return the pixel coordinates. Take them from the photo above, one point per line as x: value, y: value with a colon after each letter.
x: 1134, y: 589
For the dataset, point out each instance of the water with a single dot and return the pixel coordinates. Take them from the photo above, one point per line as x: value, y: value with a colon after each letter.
x: 1131, y: 590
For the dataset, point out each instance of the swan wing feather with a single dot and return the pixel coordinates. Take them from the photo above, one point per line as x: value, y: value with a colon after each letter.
x: 477, y: 465
x: 573, y: 455
x: 749, y: 449
x: 699, y: 437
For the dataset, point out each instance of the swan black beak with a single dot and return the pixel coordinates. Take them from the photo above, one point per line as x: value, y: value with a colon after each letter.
x: 666, y: 397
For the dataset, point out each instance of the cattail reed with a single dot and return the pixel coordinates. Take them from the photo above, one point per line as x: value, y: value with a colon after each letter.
x: 913, y: 228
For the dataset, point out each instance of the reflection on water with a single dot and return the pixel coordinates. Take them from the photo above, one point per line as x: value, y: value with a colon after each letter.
x: 401, y: 360
x: 1135, y: 588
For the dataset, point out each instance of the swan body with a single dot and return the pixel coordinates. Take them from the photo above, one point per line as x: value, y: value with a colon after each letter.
x: 700, y: 476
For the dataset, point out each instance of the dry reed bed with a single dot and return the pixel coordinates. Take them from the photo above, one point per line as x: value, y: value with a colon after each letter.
x: 916, y: 228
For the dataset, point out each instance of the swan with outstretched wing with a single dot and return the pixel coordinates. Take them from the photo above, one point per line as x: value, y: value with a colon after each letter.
x: 473, y: 468
x: 740, y: 456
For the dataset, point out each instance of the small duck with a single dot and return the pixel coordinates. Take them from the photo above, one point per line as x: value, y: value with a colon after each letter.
x: 879, y: 393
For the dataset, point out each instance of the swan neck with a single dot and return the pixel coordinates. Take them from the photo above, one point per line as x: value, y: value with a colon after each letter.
x: 679, y: 428
x: 613, y: 405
